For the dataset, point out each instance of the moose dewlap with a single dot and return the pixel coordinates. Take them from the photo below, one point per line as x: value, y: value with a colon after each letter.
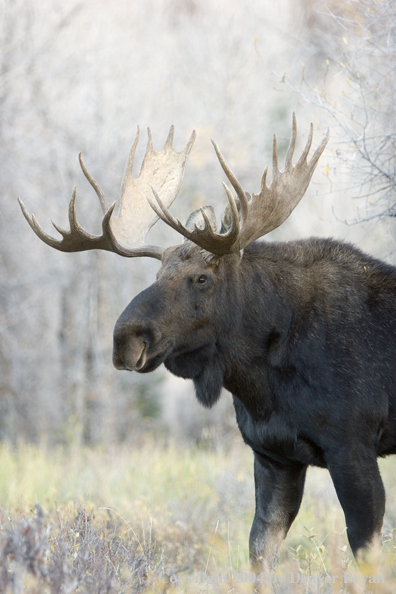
x: 302, y: 334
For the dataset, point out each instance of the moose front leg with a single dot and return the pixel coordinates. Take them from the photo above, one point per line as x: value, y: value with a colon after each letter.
x: 279, y: 491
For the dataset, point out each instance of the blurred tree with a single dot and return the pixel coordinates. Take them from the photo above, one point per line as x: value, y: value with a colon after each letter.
x: 349, y: 52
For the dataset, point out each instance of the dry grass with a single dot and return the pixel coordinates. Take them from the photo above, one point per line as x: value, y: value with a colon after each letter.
x: 115, y: 521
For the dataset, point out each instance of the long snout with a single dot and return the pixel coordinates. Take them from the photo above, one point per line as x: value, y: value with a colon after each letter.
x: 138, y: 339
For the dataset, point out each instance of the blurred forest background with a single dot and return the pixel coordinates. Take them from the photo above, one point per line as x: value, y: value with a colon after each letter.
x: 81, y: 75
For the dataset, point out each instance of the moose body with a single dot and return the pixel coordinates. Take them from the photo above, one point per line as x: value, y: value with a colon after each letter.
x: 303, y: 334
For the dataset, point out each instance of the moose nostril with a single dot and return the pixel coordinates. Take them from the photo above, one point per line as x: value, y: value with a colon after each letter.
x: 142, y: 359
x: 130, y: 345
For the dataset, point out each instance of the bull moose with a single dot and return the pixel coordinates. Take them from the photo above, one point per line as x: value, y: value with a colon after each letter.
x: 303, y: 334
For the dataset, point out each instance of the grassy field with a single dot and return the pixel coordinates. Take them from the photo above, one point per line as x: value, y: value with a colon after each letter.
x: 161, y: 517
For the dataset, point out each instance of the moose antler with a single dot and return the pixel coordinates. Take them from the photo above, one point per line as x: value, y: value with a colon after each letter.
x: 260, y: 213
x: 124, y: 233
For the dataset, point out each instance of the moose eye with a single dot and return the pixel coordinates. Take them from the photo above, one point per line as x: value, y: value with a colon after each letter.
x: 202, y: 280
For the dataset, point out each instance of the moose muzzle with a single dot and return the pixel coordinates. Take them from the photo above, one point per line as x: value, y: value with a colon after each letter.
x: 131, y: 343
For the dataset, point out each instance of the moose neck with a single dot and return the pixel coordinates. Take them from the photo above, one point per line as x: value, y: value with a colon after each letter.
x: 250, y: 310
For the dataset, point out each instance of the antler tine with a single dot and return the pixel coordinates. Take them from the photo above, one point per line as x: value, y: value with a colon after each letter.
x: 235, y: 183
x: 307, y: 148
x: 235, y: 225
x: 131, y: 158
x: 264, y: 179
x: 274, y: 159
x: 208, y: 226
x: 164, y: 214
x: 317, y: 154
x: 292, y: 144
x: 169, y: 140
x: 31, y: 219
x: 94, y: 184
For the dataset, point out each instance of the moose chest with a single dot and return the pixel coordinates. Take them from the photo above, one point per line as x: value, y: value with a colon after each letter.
x: 276, y: 437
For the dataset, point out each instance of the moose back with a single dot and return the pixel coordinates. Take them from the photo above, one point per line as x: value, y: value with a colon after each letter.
x: 302, y: 334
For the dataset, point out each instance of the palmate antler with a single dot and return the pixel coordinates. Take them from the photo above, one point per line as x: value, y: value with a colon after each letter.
x: 162, y: 171
x: 124, y: 232
x: 260, y: 213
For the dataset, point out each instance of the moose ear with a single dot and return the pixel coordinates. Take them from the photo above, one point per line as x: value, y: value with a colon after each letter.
x: 196, y: 219
x: 227, y: 218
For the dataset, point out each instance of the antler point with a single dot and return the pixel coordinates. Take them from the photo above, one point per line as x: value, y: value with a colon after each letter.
x: 274, y: 158
x: 169, y: 140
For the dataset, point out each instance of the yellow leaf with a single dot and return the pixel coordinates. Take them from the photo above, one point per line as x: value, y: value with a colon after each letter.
x: 344, y: 40
x: 255, y: 40
x: 327, y: 170
x: 327, y: 62
x: 342, y: 64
